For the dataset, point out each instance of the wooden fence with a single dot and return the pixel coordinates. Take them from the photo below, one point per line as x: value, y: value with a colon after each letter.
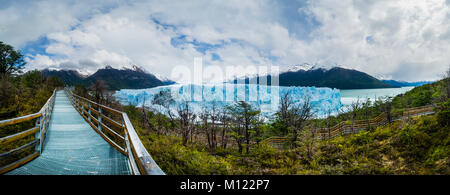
x: 352, y: 127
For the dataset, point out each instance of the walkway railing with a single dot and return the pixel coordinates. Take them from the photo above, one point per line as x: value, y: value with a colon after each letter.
x: 418, y: 110
x: 39, y: 130
x: 354, y: 127
x: 115, y: 127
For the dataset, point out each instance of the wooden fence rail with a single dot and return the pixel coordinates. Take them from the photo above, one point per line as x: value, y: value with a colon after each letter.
x: 40, y: 130
x: 354, y: 127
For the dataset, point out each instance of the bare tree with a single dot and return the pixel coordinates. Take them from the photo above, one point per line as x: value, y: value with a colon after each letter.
x: 109, y: 99
x: 210, y: 117
x: 302, y: 112
x: 328, y: 119
x: 355, y: 106
x: 285, y: 107
x: 165, y: 101
x: 204, y: 116
x: 99, y: 88
x: 186, y: 118
x: 145, y: 119
x: 214, y: 117
x: 225, y: 119
x: 366, y: 111
x: 286, y: 113
x: 294, y: 116
x: 308, y: 139
x: 387, y: 108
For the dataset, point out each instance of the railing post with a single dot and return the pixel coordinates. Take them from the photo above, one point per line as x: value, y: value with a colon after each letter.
x: 79, y: 104
x: 99, y: 118
x: 43, y: 127
x: 89, y: 111
x: 125, y: 139
x: 38, y: 134
x: 126, y: 143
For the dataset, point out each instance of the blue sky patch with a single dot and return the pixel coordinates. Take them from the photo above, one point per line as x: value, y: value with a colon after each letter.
x: 201, y: 47
x: 370, y: 40
x: 36, y: 47
x: 215, y: 57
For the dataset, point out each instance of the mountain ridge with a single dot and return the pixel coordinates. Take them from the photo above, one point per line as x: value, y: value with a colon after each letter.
x: 115, y: 79
x: 397, y: 83
x: 306, y: 75
x: 334, y: 77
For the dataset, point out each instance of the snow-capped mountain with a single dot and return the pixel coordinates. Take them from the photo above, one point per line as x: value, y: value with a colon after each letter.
x: 319, y: 75
x: 288, y: 68
x: 305, y: 67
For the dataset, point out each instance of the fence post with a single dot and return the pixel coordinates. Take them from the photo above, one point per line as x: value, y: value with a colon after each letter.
x: 99, y: 118
x: 89, y: 111
x: 37, y: 135
x: 78, y: 104
x: 44, y: 127
x: 125, y: 139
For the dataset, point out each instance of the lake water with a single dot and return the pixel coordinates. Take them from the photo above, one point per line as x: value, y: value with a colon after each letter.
x: 349, y: 96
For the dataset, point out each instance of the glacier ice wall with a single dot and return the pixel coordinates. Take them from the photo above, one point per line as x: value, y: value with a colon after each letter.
x: 264, y: 97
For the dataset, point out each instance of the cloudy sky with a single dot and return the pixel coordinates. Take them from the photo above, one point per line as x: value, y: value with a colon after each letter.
x: 400, y: 39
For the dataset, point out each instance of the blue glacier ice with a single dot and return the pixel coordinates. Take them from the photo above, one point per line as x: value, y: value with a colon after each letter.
x: 262, y: 96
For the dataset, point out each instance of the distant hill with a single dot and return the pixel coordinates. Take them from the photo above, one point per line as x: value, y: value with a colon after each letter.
x: 115, y: 79
x: 405, y: 84
x: 70, y: 77
x: 336, y: 77
x: 124, y: 78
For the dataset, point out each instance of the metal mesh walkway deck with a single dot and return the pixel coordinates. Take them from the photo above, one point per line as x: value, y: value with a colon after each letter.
x: 72, y: 147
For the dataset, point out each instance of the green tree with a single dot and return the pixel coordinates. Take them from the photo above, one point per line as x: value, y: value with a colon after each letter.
x: 246, y: 123
x: 31, y: 78
x: 11, y: 61
x: 443, y: 115
x: 54, y: 81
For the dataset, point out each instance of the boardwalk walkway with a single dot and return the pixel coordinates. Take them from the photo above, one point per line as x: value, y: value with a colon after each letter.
x: 72, y: 147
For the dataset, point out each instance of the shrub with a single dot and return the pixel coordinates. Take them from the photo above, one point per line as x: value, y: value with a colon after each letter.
x: 363, y: 137
x: 443, y: 115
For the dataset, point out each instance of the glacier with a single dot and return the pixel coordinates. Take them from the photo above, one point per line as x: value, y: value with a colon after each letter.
x: 264, y: 97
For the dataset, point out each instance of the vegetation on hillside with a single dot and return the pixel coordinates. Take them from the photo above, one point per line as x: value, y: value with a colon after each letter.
x: 20, y: 94
x: 418, y: 145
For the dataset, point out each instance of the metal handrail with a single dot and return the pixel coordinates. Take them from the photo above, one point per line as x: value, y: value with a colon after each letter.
x: 139, y: 159
x: 40, y: 130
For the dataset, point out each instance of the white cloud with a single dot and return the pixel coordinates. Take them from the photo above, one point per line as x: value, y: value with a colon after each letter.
x: 405, y: 34
x: 380, y: 37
